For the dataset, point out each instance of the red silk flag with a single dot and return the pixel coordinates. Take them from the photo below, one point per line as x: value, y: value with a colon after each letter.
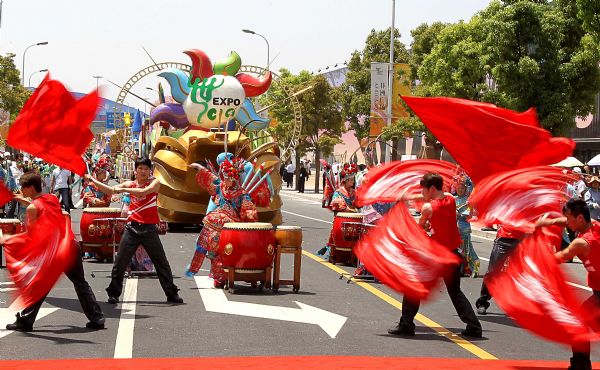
x: 36, y: 258
x: 388, y: 183
x: 401, y: 255
x: 520, y: 197
x: 53, y: 125
x: 485, y: 139
x: 5, y: 195
x: 533, y: 291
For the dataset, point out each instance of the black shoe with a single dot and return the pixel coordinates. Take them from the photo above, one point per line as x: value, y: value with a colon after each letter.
x: 113, y: 299
x: 96, y: 324
x: 471, y: 332
x: 397, y: 330
x: 174, y: 298
x: 580, y: 364
x: 482, y: 310
x: 19, y: 326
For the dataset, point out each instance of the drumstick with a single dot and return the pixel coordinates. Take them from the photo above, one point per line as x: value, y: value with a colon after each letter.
x: 260, y: 181
x: 248, y: 175
x: 255, y: 177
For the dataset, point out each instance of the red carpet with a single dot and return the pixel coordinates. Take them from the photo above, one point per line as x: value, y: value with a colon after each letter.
x: 287, y: 363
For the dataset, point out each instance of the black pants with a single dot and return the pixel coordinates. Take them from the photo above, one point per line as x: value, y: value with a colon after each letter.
x: 501, y: 248
x: 85, y: 294
x: 65, y: 199
x: 11, y: 209
x: 581, y: 350
x: 461, y: 304
x: 146, y: 235
x: 301, y: 182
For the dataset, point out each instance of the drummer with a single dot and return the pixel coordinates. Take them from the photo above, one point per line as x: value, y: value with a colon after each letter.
x: 343, y: 200
x: 92, y: 196
x: 233, y: 204
x: 140, y: 230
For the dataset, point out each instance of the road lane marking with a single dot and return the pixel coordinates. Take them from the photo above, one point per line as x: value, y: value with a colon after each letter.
x: 124, y: 341
x: 477, y: 351
x: 215, y: 300
x: 300, y: 199
x: 310, y: 218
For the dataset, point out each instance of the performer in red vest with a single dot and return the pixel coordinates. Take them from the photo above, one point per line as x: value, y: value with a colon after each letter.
x: 44, y: 211
x: 141, y: 229
x: 438, y: 217
x: 586, y: 246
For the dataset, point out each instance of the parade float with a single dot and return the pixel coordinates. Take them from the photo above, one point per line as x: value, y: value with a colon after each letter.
x: 210, y: 111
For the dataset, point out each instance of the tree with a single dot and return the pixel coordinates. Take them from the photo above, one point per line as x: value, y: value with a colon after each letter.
x: 425, y: 37
x: 588, y: 11
x: 12, y: 94
x: 519, y: 54
x: 355, y: 94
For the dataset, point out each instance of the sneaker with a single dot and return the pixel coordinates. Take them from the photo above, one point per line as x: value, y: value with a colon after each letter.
x: 113, y: 299
x: 397, y: 330
x: 19, y: 326
x: 482, y: 310
x: 96, y: 324
x: 175, y: 298
x: 471, y: 332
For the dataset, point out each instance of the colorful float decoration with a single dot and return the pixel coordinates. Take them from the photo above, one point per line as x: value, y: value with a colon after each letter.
x: 210, y: 113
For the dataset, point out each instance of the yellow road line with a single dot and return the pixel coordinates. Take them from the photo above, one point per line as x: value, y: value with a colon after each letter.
x: 477, y: 351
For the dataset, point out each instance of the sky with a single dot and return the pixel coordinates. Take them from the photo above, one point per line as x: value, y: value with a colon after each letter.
x: 90, y: 38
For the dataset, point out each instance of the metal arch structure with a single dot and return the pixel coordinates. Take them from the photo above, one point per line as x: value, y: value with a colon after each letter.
x: 287, y: 152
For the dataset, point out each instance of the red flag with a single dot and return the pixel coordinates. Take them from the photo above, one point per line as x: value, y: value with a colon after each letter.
x: 389, y: 182
x: 519, y: 197
x: 53, y: 125
x: 5, y: 195
x: 485, y: 139
x: 36, y: 259
x: 533, y: 291
x: 401, y: 255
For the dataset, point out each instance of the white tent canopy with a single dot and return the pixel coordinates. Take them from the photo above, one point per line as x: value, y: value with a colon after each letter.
x: 569, y: 162
x: 595, y: 161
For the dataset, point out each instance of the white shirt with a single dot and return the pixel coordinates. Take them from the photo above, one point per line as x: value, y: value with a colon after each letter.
x: 61, y: 178
x: 289, y: 168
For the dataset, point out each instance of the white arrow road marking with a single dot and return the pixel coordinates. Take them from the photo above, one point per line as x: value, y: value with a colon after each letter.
x: 215, y: 300
x: 6, y: 283
x: 124, y: 342
x: 7, y: 316
x: 2, y: 290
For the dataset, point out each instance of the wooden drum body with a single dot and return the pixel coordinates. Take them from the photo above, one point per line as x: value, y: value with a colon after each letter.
x: 247, y: 245
x: 11, y: 226
x: 289, y: 236
x: 97, y: 236
x: 343, y: 245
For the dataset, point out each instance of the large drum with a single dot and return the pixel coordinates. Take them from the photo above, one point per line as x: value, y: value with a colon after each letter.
x: 341, y: 236
x: 11, y: 226
x: 289, y: 236
x: 97, y: 236
x: 247, y: 245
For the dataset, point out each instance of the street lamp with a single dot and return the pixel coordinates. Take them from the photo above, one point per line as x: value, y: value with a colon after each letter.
x: 24, y: 53
x: 388, y: 153
x: 97, y: 79
x: 41, y: 70
x: 264, y: 38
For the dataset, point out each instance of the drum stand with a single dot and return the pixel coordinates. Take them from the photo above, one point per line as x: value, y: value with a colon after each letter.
x: 113, y: 222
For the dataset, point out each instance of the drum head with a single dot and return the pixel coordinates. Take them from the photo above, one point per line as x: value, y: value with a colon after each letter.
x: 101, y: 210
x: 248, y: 226
x: 351, y: 215
x: 288, y: 228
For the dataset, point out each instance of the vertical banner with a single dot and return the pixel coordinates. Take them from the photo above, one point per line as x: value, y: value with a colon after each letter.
x: 379, y: 97
x: 401, y: 87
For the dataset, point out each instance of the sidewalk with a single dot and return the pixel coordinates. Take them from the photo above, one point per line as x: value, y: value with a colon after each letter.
x: 309, y: 193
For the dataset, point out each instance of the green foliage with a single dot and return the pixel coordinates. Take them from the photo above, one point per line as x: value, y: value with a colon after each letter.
x: 12, y: 94
x: 588, y: 11
x: 520, y: 54
x: 403, y: 127
x: 355, y: 94
x: 425, y: 37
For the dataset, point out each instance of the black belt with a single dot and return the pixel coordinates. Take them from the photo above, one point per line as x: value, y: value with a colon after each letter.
x: 135, y: 223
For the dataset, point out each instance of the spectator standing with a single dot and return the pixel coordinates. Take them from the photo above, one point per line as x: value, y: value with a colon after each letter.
x: 60, y: 184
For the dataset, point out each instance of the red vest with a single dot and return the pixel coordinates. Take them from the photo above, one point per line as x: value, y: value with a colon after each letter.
x: 592, y: 261
x: 443, y: 222
x: 143, y: 209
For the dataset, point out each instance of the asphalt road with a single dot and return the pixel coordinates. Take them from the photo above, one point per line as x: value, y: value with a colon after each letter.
x: 355, y: 323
